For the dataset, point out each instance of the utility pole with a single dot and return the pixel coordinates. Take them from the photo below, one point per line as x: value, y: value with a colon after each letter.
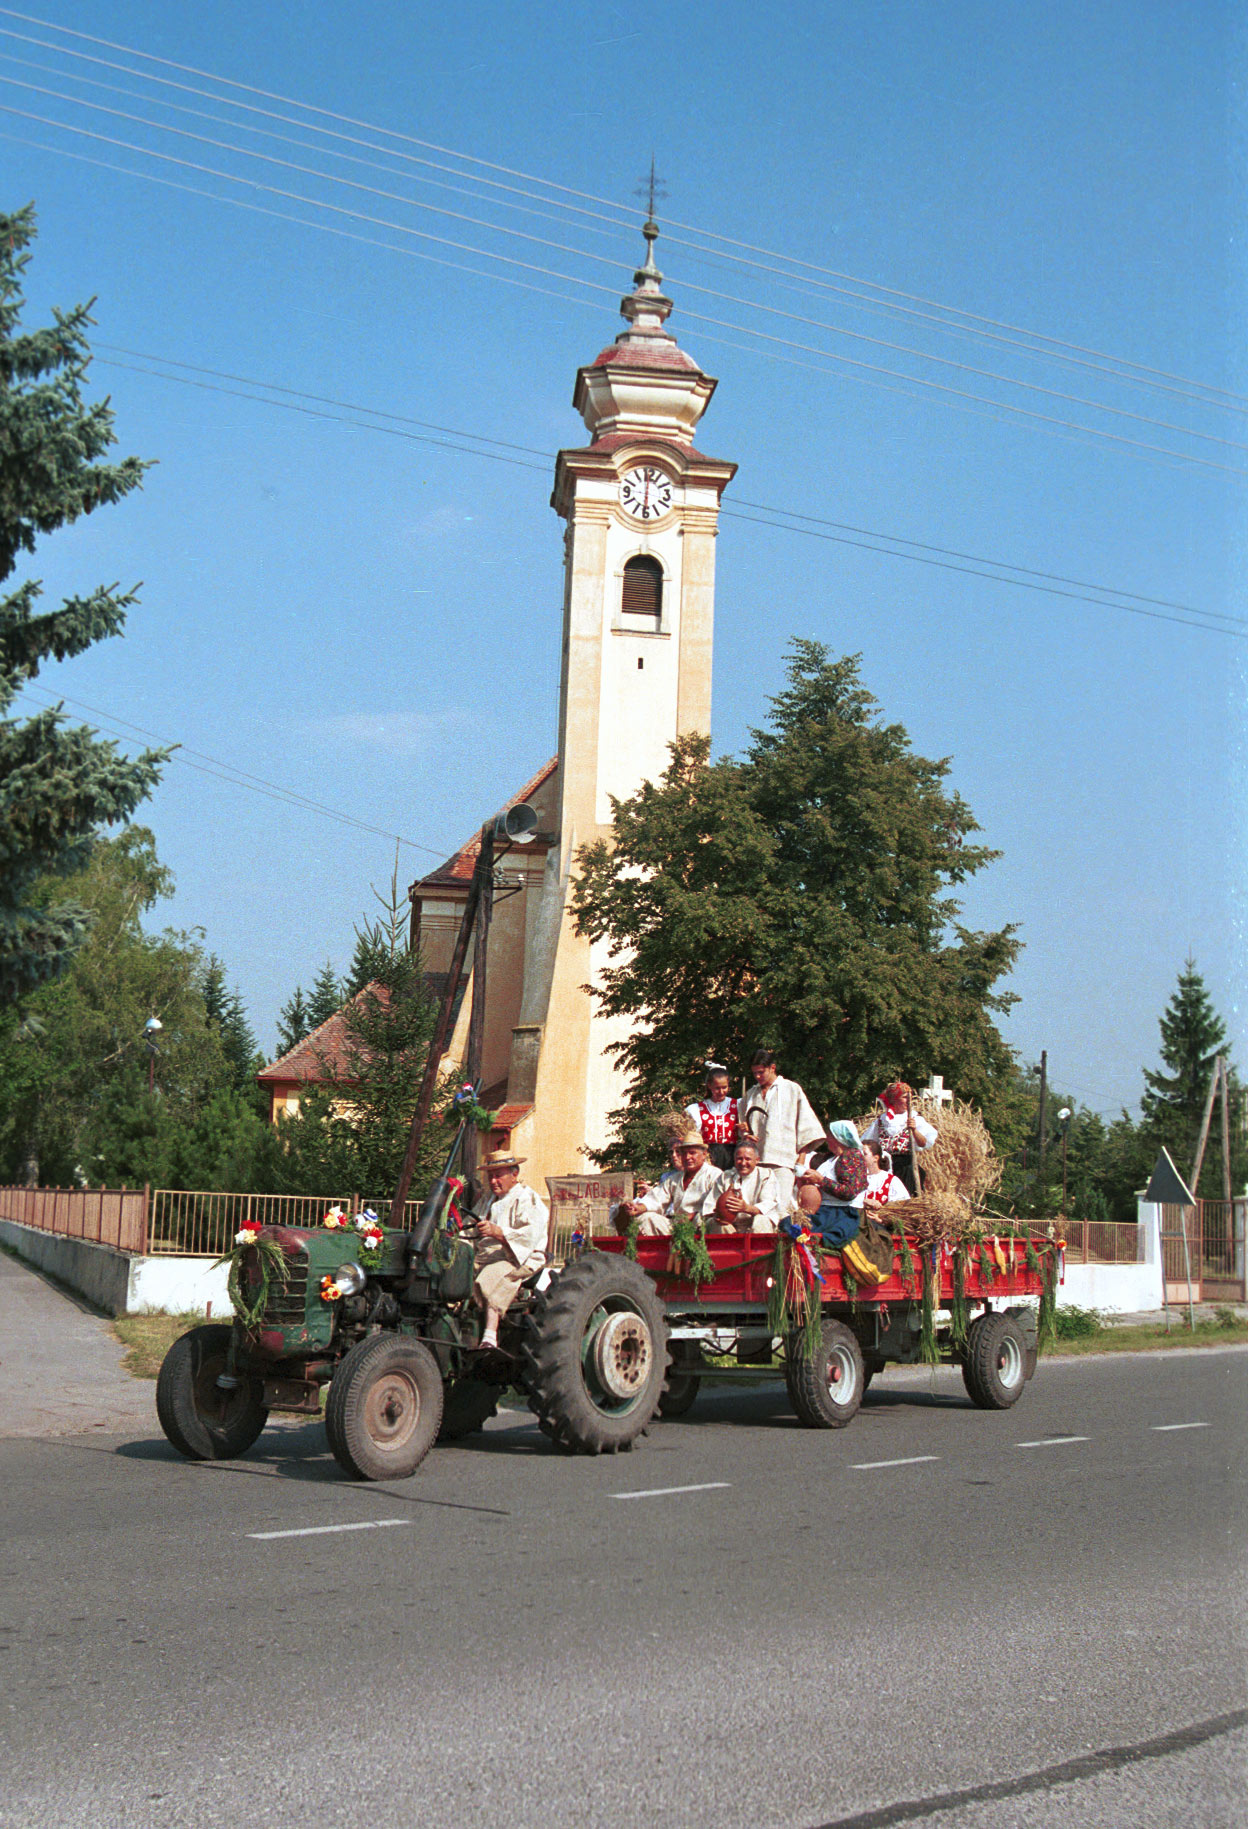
x: 1215, y: 1076
x: 1044, y: 1096
x: 476, y: 1019
x: 1226, y: 1136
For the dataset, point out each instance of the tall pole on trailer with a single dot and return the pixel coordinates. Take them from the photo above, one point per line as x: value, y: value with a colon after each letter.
x: 476, y: 1020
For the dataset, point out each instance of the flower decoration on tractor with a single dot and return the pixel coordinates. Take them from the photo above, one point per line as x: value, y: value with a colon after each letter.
x: 335, y: 1220
x: 248, y: 1233
x: 372, y: 1235
x: 330, y: 1291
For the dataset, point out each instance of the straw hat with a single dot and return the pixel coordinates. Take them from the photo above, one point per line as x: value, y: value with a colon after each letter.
x: 502, y: 1159
x: 691, y: 1138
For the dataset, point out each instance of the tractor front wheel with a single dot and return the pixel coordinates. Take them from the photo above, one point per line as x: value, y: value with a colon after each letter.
x: 204, y: 1420
x: 384, y: 1408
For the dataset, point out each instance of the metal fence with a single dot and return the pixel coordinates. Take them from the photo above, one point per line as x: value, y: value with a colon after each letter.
x: 100, y: 1216
x: 190, y: 1223
x: 1103, y: 1241
x: 1214, y: 1234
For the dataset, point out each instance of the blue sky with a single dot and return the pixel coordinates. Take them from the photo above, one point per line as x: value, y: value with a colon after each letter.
x: 373, y: 622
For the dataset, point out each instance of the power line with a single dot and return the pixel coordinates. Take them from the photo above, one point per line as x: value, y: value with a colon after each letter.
x: 585, y: 196
x: 941, y: 388
x: 814, y: 522
x: 228, y: 772
x: 748, y: 304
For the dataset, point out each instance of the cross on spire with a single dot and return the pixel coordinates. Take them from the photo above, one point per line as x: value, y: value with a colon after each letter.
x: 653, y: 190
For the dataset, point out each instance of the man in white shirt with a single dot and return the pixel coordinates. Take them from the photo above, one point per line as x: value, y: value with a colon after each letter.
x: 678, y: 1196
x: 778, y: 1113
x: 744, y: 1199
x: 511, y: 1240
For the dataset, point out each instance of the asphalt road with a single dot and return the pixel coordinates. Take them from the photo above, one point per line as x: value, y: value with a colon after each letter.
x: 937, y: 1616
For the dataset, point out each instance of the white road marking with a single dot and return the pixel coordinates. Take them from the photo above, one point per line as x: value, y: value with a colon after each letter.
x: 910, y: 1460
x: 1054, y: 1441
x: 329, y: 1530
x: 1164, y: 1428
x: 661, y: 1492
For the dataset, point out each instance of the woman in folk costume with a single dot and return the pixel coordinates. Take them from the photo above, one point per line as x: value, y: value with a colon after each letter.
x: 715, y: 1115
x: 677, y: 1196
x: 744, y: 1198
x: 896, y: 1126
x: 882, y: 1185
x: 843, y: 1179
x: 779, y: 1114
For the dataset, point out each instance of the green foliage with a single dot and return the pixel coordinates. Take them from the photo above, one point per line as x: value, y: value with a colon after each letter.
x: 351, y: 1131
x: 797, y: 899
x: 327, y: 998
x: 1192, y: 1036
x: 1074, y: 1323
x: 293, y: 1023
x: 58, y: 784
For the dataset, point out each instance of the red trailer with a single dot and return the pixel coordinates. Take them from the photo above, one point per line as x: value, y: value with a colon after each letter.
x: 724, y: 1327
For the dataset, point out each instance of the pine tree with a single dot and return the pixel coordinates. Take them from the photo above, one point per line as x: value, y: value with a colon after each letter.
x: 363, y: 967
x: 798, y: 900
x: 327, y: 996
x: 293, y: 1023
x: 58, y: 783
x: 1173, y: 1103
x: 228, y: 1017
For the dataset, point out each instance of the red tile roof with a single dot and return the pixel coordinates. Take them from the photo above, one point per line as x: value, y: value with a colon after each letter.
x: 645, y: 355
x: 508, y: 1116
x: 459, y: 868
x: 324, y: 1055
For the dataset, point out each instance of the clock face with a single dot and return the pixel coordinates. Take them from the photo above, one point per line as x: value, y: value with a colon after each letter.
x: 646, y: 492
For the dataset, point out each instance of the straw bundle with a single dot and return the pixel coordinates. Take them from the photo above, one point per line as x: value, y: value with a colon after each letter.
x: 930, y: 1218
x: 672, y: 1126
x: 962, y: 1159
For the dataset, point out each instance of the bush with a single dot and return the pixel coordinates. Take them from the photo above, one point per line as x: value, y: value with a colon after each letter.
x: 1078, y: 1323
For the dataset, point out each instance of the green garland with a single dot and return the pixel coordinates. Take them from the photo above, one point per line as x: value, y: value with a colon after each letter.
x: 273, y: 1268
x: 631, y: 1235
x: 909, y: 1270
x: 927, y: 1334
x: 1046, y: 1319
x: 987, y: 1265
x: 689, y: 1246
x: 468, y: 1109
x: 787, y: 1316
x: 958, y: 1316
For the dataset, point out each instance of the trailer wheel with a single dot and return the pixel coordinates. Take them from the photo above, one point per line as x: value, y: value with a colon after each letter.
x: 678, y: 1398
x: 595, y: 1355
x: 871, y: 1364
x: 1026, y: 1318
x: 826, y: 1388
x: 384, y: 1408
x: 994, y: 1369
x: 202, y: 1421
x: 467, y: 1405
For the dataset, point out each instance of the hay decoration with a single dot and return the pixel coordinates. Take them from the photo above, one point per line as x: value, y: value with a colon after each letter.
x: 962, y: 1160
x: 672, y: 1126
x: 794, y: 1306
x: 688, y: 1255
x: 933, y: 1218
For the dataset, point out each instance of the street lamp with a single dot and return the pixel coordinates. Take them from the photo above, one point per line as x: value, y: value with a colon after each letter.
x: 151, y: 1029
x: 1063, y: 1118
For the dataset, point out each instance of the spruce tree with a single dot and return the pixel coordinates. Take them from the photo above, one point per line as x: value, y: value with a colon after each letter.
x: 1173, y: 1103
x: 293, y: 1022
x: 58, y: 783
x: 327, y: 996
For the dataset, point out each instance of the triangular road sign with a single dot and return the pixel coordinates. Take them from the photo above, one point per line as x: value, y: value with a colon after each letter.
x: 1167, y: 1187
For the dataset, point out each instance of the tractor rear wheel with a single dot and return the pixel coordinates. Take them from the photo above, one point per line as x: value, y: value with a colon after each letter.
x: 994, y: 1369
x: 826, y: 1386
x: 203, y: 1421
x: 384, y: 1408
x: 595, y: 1355
x: 467, y: 1405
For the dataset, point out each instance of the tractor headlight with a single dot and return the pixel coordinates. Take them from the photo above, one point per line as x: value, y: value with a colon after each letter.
x: 350, y: 1279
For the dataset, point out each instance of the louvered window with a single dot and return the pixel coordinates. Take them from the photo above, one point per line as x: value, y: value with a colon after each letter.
x: 643, y: 588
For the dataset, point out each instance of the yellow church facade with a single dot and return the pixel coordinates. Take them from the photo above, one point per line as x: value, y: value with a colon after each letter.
x: 641, y: 507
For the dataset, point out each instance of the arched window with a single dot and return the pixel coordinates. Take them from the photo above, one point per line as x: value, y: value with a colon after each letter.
x: 643, y: 588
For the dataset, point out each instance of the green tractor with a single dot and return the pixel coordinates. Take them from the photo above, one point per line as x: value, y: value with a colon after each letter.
x: 394, y: 1332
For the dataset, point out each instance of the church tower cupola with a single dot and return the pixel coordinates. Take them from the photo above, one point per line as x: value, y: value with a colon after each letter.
x: 644, y: 384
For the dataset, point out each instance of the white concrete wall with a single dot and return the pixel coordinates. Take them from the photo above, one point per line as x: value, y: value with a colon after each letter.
x: 118, y: 1283
x: 1116, y: 1289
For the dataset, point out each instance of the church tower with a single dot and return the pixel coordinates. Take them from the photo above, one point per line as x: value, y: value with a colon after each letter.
x: 641, y: 506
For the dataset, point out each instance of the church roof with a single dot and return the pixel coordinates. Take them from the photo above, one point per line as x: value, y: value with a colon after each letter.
x: 459, y: 867
x: 323, y: 1055
x: 652, y: 353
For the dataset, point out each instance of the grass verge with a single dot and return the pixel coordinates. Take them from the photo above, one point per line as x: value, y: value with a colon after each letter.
x: 1149, y: 1338
x: 148, y: 1338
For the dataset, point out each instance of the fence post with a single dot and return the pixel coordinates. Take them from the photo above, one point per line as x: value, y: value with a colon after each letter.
x: 147, y: 1195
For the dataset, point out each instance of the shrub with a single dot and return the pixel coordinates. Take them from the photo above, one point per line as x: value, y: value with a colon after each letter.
x: 1078, y: 1323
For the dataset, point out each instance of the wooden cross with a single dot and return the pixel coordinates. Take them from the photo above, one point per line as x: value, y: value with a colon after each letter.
x: 937, y: 1090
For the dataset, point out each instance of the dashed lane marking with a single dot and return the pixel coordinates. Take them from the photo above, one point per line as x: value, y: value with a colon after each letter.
x: 662, y: 1492
x: 909, y: 1460
x: 1054, y: 1441
x: 329, y: 1530
x: 1166, y: 1428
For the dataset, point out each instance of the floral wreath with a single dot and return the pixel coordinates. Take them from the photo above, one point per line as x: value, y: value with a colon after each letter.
x: 372, y: 1236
